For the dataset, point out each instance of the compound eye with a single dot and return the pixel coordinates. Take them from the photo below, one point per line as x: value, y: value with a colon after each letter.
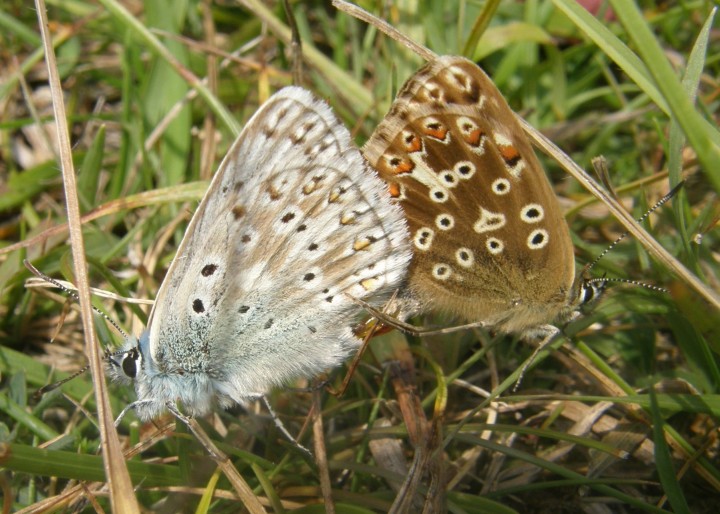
x: 130, y: 363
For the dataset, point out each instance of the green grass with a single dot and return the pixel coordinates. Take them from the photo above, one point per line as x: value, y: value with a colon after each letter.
x: 624, y: 413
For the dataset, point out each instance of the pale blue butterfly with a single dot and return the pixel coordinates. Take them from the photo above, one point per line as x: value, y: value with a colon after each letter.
x: 293, y: 229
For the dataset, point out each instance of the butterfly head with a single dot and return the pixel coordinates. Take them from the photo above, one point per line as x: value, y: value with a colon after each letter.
x: 130, y: 364
x: 125, y: 364
x: 589, y: 290
x: 586, y: 290
x: 155, y: 387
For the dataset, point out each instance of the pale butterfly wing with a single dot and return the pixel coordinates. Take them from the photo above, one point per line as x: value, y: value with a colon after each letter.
x: 489, y: 239
x: 294, y: 225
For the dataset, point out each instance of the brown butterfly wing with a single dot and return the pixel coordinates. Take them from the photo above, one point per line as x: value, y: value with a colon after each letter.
x: 489, y: 240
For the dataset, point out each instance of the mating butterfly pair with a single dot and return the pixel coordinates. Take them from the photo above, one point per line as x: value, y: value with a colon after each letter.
x: 295, y: 227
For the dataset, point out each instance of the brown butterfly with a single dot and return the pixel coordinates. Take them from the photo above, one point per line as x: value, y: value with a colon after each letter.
x: 489, y: 239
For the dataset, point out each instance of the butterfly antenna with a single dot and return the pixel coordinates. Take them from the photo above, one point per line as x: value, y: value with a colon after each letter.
x: 51, y: 387
x: 72, y: 294
x: 642, y: 218
x: 604, y: 280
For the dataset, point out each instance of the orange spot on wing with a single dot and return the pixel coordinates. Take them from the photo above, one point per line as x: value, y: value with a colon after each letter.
x: 439, y: 132
x: 398, y: 165
x: 474, y: 137
x: 404, y: 167
x: 394, y: 189
x: 413, y: 144
x: 509, y: 153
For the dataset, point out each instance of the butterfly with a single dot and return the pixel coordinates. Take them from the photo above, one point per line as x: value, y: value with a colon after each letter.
x: 490, y: 243
x: 292, y: 229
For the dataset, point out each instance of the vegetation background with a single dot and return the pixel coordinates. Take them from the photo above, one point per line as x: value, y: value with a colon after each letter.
x: 620, y: 417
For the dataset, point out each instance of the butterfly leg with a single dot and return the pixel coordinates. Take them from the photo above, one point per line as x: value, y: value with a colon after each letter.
x: 368, y: 331
x: 134, y: 405
x: 281, y: 426
x: 408, y: 328
x: 241, y: 486
x: 546, y: 334
x: 198, y: 432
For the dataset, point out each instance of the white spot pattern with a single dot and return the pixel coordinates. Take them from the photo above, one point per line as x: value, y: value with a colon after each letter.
x: 445, y: 221
x: 449, y: 178
x: 432, y: 93
x: 500, y: 186
x: 441, y: 271
x: 489, y: 221
x: 494, y: 245
x: 465, y: 257
x: 465, y: 170
x: 423, y: 238
x: 532, y: 213
x: 438, y: 195
x: 538, y: 239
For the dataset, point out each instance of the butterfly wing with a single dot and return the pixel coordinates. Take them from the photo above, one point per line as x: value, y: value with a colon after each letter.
x: 292, y: 224
x: 489, y: 240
